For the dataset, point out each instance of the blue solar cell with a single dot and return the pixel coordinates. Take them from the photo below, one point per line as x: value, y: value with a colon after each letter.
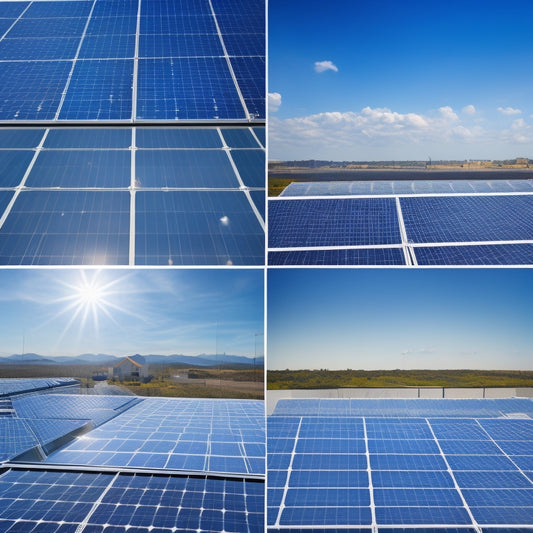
x: 516, y: 447
x: 469, y: 447
x: 312, y: 461
x: 239, y: 138
x: 417, y: 497
x: 116, y: 9
x: 188, y: 169
x: 12, y: 9
x: 412, y: 479
x: 493, y: 254
x: 15, y: 438
x: 5, y: 24
x: 364, y: 256
x: 251, y: 166
x: 67, y: 227
x: 197, y: 228
x: 509, y: 429
x: 13, y: 165
x: 48, y: 27
x: 326, y: 515
x: 108, y: 46
x: 260, y: 133
x: 58, y: 8
x: 403, y: 446
x: 39, y: 48
x: 187, y: 88
x: 32, y: 90
x: 109, y: 98
x: 180, y: 45
x: 425, y: 515
x: 325, y: 445
x: 406, y: 462
x: 333, y: 223
x: 250, y: 74
x: 177, y: 138
x: 259, y: 200
x: 81, y: 168
x: 245, y: 44
x: 468, y: 218
x: 20, y: 138
x: 88, y: 138
x: 492, y: 479
x: 327, y: 497
x: 177, y: 24
x: 112, y: 25
x: 240, y: 20
x: 503, y: 515
x: 498, y: 498
x: 329, y: 478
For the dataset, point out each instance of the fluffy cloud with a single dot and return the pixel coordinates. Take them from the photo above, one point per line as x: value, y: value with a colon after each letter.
x: 322, y: 66
x: 274, y: 102
x: 509, y: 111
x: 469, y: 110
x: 381, y: 133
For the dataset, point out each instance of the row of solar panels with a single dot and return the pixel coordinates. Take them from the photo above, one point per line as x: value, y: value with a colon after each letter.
x: 14, y: 386
x: 425, y: 230
x: 432, y: 474
x: 132, y: 60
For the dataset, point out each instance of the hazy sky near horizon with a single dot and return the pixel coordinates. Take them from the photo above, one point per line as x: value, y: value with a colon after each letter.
x: 389, y: 80
x: 123, y: 312
x: 377, y: 319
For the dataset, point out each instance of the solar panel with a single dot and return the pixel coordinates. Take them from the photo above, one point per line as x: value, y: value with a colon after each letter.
x: 178, y: 434
x: 456, y: 222
x: 401, y: 470
x: 130, y: 63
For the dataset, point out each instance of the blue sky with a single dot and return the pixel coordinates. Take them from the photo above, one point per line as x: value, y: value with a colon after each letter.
x: 389, y: 80
x: 135, y: 311
x: 387, y: 319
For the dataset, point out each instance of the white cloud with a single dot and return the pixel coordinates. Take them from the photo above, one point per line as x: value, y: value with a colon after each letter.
x: 274, y: 102
x: 322, y: 66
x: 509, y: 111
x: 469, y: 110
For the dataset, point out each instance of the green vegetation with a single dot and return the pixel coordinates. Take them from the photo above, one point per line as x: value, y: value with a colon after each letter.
x: 277, y: 185
x: 332, y: 379
x: 226, y: 374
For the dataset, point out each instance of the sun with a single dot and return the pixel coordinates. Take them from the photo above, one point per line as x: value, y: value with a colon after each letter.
x: 90, y: 293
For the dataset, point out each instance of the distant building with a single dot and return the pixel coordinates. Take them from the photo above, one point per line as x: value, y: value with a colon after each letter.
x: 130, y: 369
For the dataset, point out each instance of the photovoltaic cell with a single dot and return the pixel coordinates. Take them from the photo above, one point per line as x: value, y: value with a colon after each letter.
x: 66, y: 227
x: 13, y: 165
x: 38, y: 48
x: 296, y: 223
x: 178, y: 138
x: 359, y: 256
x: 192, y: 227
x: 468, y: 218
x: 487, y: 254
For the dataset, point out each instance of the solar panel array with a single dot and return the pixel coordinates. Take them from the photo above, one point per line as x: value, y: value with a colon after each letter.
x: 187, y: 188
x: 344, y: 464
x: 13, y: 386
x: 403, y: 223
x: 138, y: 471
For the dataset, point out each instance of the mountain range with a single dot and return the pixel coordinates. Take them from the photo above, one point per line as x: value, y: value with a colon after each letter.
x: 110, y: 360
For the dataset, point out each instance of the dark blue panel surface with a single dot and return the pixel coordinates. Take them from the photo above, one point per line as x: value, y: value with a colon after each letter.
x: 407, y: 462
x: 250, y: 73
x: 197, y: 228
x: 58, y: 8
x: 187, y: 88
x: 365, y: 256
x: 184, y: 168
x: 13, y: 165
x: 245, y: 44
x: 258, y: 198
x: 417, y: 497
x: 81, y: 168
x: 116, y: 9
x: 261, y: 135
x: 108, y: 98
x: 503, y: 515
x: 332, y: 222
x: 20, y: 138
x: 32, y: 90
x: 239, y: 138
x: 326, y: 516
x: 422, y: 515
x: 15, y: 438
x: 88, y: 138
x: 177, y: 24
x: 488, y: 254
x: 468, y: 218
x: 108, y: 46
x: 180, y: 45
x: 48, y: 27
x: 12, y: 9
x: 111, y: 25
x: 251, y: 166
x: 5, y: 198
x: 178, y: 138
x: 41, y: 48
x: 67, y: 227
